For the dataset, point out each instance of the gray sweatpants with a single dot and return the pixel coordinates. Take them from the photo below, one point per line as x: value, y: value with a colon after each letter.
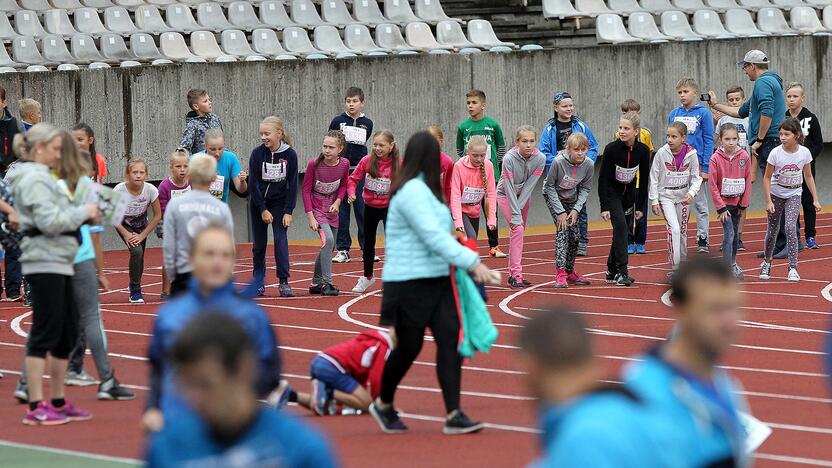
x: 85, y: 287
x: 700, y: 210
x: 323, y: 265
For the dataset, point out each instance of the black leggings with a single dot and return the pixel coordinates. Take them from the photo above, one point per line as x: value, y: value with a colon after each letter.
x: 617, y: 260
x: 413, y: 306
x: 54, y: 316
x: 372, y: 216
x: 809, y: 214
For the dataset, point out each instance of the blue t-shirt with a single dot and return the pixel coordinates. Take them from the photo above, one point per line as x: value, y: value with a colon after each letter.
x: 86, y: 251
x: 228, y: 167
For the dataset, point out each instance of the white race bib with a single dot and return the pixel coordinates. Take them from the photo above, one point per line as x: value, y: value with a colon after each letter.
x: 274, y: 172
x: 791, y: 178
x: 217, y: 187
x: 743, y: 139
x: 676, y: 179
x: 732, y: 187
x: 327, y: 188
x: 472, y: 195
x: 136, y: 207
x: 692, y: 123
x: 355, y: 135
x: 625, y: 175
x: 176, y: 192
x: 568, y: 182
x: 380, y: 186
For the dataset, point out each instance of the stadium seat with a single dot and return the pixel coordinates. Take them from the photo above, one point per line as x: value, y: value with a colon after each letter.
x: 117, y: 19
x: 63, y: 5
x: 675, y: 24
x: 707, y: 23
x: 431, y: 11
x: 625, y: 6
x: 161, y: 3
x: 722, y: 5
x: 204, y: 44
x: 68, y: 67
x: 57, y: 22
x: 771, y: 20
x: 559, y: 9
x: 450, y: 33
x: 328, y: 39
x: 181, y: 19
x: 420, y: 36
x: 368, y: 12
x: 225, y: 58
x: 9, y: 6
x: 755, y: 4
x: 786, y: 4
x: 84, y: 49
x: 657, y: 6
x: 7, y: 70
x: 827, y: 17
x: 689, y: 6
x: 305, y: 14
x: 609, y: 29
x: 144, y: 47
x: 131, y: 4
x: 643, y: 26
x: 399, y: 11
x: 819, y: 3
x: 592, y: 7
x: 805, y: 20
x: 55, y: 50
x: 210, y: 16
x: 148, y: 19
x: 28, y: 24
x: 36, y: 68
x: 129, y: 63
x: 296, y: 40
x: 7, y: 32
x: 172, y: 45
x: 335, y: 12
x: 114, y: 48
x: 87, y: 21
x: 273, y: 14
x: 358, y: 38
x: 255, y: 58
x: 531, y: 47
x: 264, y: 42
x: 98, y: 4
x: 389, y: 36
x: 739, y: 21
x: 5, y: 60
x: 234, y: 43
x: 482, y: 34
x: 35, y: 5
x: 98, y: 65
x: 242, y: 15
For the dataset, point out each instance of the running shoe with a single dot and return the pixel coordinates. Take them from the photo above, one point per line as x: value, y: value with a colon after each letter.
x: 811, y: 243
x: 315, y: 288
x: 71, y: 413
x: 765, y: 270
x: 740, y: 246
x: 21, y: 392
x: 163, y: 297
x: 515, y: 283
x: 702, y: 245
x: 79, y: 379
x: 376, y: 259
x: 136, y: 297
x: 738, y: 273
x: 44, y: 415
x: 112, y: 390
x: 363, y: 284
x: 576, y: 279
x: 261, y: 291
x: 329, y: 290
x: 640, y: 249
x: 285, y: 290
x: 560, y: 279
x: 388, y: 419
x: 582, y: 250
x: 27, y: 300
x: 623, y: 279
x: 631, y: 249
x: 280, y: 396
x: 525, y: 282
x: 343, y: 256
x: 458, y: 423
x: 609, y: 278
x: 321, y: 396
x: 497, y: 253
x: 793, y: 276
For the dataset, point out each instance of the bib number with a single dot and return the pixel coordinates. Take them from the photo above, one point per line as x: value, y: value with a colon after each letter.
x: 568, y: 182
x: 625, y: 175
x: 790, y: 178
x: 380, y: 186
x: 327, y: 188
x: 355, y: 135
x: 177, y: 192
x: 732, y: 187
x: 472, y: 195
x: 217, y: 187
x: 677, y: 179
x: 692, y: 123
x: 274, y: 172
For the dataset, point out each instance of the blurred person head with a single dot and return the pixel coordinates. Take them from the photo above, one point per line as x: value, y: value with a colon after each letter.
x: 212, y: 257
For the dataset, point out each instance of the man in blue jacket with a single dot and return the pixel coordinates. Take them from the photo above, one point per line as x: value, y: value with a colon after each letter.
x: 553, y: 140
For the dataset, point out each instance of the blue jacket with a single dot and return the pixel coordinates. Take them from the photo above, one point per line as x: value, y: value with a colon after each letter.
x: 172, y: 318
x: 272, y: 439
x: 700, y: 420
x: 767, y: 99
x: 701, y: 136
x: 281, y: 192
x: 549, y: 142
x: 608, y: 428
x: 418, y: 236
x: 355, y: 151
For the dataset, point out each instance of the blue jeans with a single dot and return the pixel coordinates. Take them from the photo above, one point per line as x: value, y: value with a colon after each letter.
x: 326, y: 372
x: 344, y: 240
x: 583, y: 234
x: 730, y: 235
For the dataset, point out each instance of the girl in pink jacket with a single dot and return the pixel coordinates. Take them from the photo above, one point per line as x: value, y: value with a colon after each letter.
x: 472, y: 181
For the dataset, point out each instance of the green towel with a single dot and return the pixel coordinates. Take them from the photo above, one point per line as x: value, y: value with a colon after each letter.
x: 478, y: 332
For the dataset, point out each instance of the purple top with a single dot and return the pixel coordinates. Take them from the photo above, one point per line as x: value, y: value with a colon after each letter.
x: 680, y: 156
x: 322, y: 185
x: 168, y: 190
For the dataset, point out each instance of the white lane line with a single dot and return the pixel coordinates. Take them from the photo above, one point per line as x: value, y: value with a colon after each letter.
x: 796, y: 460
x: 587, y: 296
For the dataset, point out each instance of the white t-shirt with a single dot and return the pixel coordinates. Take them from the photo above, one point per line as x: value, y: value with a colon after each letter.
x: 135, y: 215
x: 787, y: 178
x: 742, y: 131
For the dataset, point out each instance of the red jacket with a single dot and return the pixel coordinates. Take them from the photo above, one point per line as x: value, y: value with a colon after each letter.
x: 446, y: 168
x: 363, y: 358
x: 735, y: 171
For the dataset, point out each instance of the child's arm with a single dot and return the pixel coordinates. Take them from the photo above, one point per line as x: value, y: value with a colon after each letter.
x: 10, y: 213
x: 240, y: 181
x: 653, y: 183
x: 550, y: 193
x: 254, y: 174
x: 308, y: 184
x: 583, y: 191
x: 531, y: 182
x: 169, y: 247
x: 810, y: 182
x: 99, y: 255
x: 714, y: 186
x: 292, y: 185
x: 157, y: 216
x: 707, y: 124
x: 750, y: 170
x: 593, y: 144
x: 603, y: 184
x: 356, y: 177
x: 500, y: 141
x: 188, y: 137
x: 641, y: 191
x: 456, y: 200
x: 695, y: 178
x: 491, y: 195
x: 815, y: 138
x: 767, y: 187
x: 545, y: 146
x: 460, y: 142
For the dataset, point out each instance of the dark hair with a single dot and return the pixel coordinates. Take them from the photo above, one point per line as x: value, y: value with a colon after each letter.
x: 735, y: 89
x: 2, y: 93
x: 212, y: 334
x: 792, y: 125
x: 727, y: 127
x: 372, y: 167
x: 557, y: 337
x: 90, y: 134
x: 93, y: 162
x: 698, y: 267
x: 355, y: 91
x: 194, y: 95
x: 630, y: 105
x: 339, y: 136
x: 476, y: 93
x: 421, y: 157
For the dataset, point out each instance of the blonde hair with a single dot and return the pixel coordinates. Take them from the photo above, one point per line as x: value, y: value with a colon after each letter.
x: 24, y: 144
x: 479, y: 140
x: 687, y: 83
x: 27, y: 106
x: 72, y: 165
x: 213, y: 134
x: 178, y: 153
x: 796, y: 84
x: 372, y: 167
x: 133, y: 162
x: 202, y: 169
x: 436, y: 132
x: 278, y: 124
x: 525, y: 129
x: 577, y: 140
x: 633, y: 118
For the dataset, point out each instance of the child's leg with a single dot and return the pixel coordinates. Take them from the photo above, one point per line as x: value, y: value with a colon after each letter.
x: 85, y: 292
x: 792, y: 211
x: 136, y: 263
x: 631, y: 235
x: 736, y: 218
x: 372, y: 216
x: 700, y: 204
x: 325, y: 257
x: 641, y: 230
x: 471, y: 226
x: 683, y: 215
x: 358, y: 209
x: 573, y: 233
x: 674, y: 231
x: 515, y: 250
x: 281, y: 246
x: 773, y: 226
x: 562, y: 248
x: 260, y: 236
x: 165, y: 282
x: 741, y: 226
x: 493, y: 235
x: 619, y: 234
x: 809, y: 214
x: 583, y: 225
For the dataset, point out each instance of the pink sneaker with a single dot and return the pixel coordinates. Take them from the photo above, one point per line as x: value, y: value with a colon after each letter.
x: 560, y: 279
x: 44, y: 415
x: 71, y: 413
x: 577, y: 279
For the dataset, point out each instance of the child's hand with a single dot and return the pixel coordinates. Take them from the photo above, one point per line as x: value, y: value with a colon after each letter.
x: 267, y: 217
x: 492, y: 227
x: 713, y: 98
x: 561, y: 221
x: 460, y: 229
x: 657, y: 210
x: 335, y: 207
x: 13, y: 222
x: 93, y: 214
x: 817, y: 206
x: 770, y: 207
x: 572, y: 218
x: 350, y: 199
x: 687, y: 199
x: 704, y: 175
x: 287, y: 220
x: 724, y: 216
x: 313, y: 223
x: 103, y: 282
x: 605, y: 215
x: 243, y: 176
x: 513, y: 226
x: 639, y: 215
x: 134, y: 239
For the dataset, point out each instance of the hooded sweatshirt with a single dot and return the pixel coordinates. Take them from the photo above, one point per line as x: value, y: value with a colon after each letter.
x: 193, y: 137
x: 812, y: 136
x: 9, y: 127
x: 467, y: 192
x: 700, y: 123
x: 567, y: 184
x: 273, y: 178
x: 672, y: 179
x: 518, y: 180
x: 617, y: 177
x: 376, y: 191
x: 43, y: 206
x: 356, y: 131
x: 549, y: 139
x: 730, y: 180
x: 446, y: 168
x: 767, y: 99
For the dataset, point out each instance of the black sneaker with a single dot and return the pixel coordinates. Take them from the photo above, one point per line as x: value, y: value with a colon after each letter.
x: 623, y: 279
x: 702, y: 245
x: 458, y: 423
x: 388, y: 419
x: 315, y: 288
x: 111, y: 390
x: 514, y: 283
x: 740, y: 246
x: 610, y: 278
x: 329, y: 290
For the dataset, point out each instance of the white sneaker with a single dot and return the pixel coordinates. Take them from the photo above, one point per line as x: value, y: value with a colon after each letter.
x: 79, y: 379
x: 342, y: 257
x: 363, y: 284
x: 376, y: 259
x: 793, y: 276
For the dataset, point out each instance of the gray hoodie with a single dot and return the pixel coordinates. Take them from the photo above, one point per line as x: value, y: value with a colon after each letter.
x: 568, y: 184
x: 184, y: 217
x: 43, y: 206
x: 517, y: 180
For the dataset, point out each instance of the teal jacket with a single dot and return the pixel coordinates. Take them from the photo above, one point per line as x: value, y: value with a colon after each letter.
x: 478, y: 332
x: 767, y: 99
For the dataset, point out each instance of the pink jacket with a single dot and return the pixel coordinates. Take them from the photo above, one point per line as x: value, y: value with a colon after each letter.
x: 446, y: 167
x: 730, y: 180
x: 376, y: 191
x: 465, y: 175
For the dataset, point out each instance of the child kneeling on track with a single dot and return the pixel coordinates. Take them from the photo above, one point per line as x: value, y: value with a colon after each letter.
x: 566, y: 190
x: 674, y: 182
x: 522, y: 167
x: 378, y: 169
x: 173, y: 186
x: 788, y: 166
x: 730, y: 185
x: 472, y: 181
x: 324, y: 186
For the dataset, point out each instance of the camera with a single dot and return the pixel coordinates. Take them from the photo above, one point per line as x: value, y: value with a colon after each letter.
x: 705, y: 97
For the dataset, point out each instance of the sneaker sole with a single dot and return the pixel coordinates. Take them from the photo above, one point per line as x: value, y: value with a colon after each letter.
x: 30, y: 422
x: 80, y: 383
x: 104, y: 396
x: 381, y: 425
x: 765, y: 277
x: 140, y: 301
x: 359, y: 290
x: 793, y: 280
x: 561, y: 286
x: 460, y: 430
x: 79, y: 418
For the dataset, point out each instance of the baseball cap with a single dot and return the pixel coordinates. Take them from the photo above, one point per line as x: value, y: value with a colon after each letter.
x: 754, y: 56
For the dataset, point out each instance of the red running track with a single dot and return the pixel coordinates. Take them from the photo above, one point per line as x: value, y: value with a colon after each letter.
x: 778, y: 358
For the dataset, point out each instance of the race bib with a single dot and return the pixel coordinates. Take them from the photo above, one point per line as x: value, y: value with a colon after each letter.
x: 568, y: 182
x: 790, y: 177
x: 355, y: 135
x: 176, y: 192
x: 217, y: 187
x: 274, y: 172
x: 625, y: 175
x: 136, y: 207
x: 732, y: 187
x: 380, y: 186
x: 692, y: 123
x: 677, y: 179
x: 743, y: 140
x: 472, y: 195
x: 327, y: 188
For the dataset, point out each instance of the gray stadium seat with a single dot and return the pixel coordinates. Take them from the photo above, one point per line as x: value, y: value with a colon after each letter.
x: 592, y: 7
x: 642, y: 25
x: 707, y: 23
x: 98, y: 65
x: 367, y: 11
x: 420, y: 36
x: 675, y: 24
x: 722, y: 5
x: 144, y: 47
x: 225, y: 58
x: 827, y: 17
x: 657, y: 6
x: 130, y: 63
x: 7, y: 32
x: 204, y: 44
x: 57, y: 22
x: 68, y: 67
x: 84, y: 49
x: 234, y: 42
x: 264, y: 42
x: 771, y: 20
x: 28, y: 24
x: 114, y: 48
x: 192, y: 3
x: 689, y: 6
x: 819, y: 3
x: 242, y: 15
x: 148, y: 19
x: 335, y: 12
x: 35, y: 5
x: 296, y: 40
x: 305, y: 14
x: 210, y: 16
x: 625, y: 6
x: 358, y: 38
x: 531, y: 47
x: 559, y: 9
x: 9, y: 6
x: 131, y: 4
x: 25, y: 50
x: 739, y: 21
x: 8, y: 70
x: 117, y: 19
x: 55, y: 50
x: 5, y: 60
x: 328, y: 39
x: 87, y: 21
x: 805, y: 20
x: 273, y: 13
x: 431, y: 11
x: 181, y: 19
x: 36, y: 68
x: 450, y: 33
x: 399, y: 11
x: 172, y: 45
x: 161, y: 3
x: 389, y: 36
x: 786, y: 4
x: 66, y: 4
x: 609, y: 29
x: 755, y: 4
x: 99, y: 4
x: 256, y: 58
x: 482, y: 34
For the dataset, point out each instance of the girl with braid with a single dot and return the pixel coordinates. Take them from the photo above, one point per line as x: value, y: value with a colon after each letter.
x: 472, y: 181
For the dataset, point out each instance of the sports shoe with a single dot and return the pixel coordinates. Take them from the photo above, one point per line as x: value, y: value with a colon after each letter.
x: 582, y: 250
x: 27, y: 300
x: 163, y: 297
x: 261, y: 291
x: 112, y: 390
x: 765, y: 270
x: 315, y: 288
x: 811, y: 243
x: 321, y: 396
x: 738, y: 273
x: 631, y: 249
x: 640, y: 249
x: 329, y: 290
x: 609, y: 278
x: 576, y: 279
x: 525, y: 282
x: 79, y: 379
x: 11, y: 299
x: 136, y: 297
x: 740, y: 246
x: 71, y: 413
x: 497, y: 253
x: 21, y: 392
x: 44, y: 415
x: 623, y: 279
x: 285, y: 290
x: 363, y: 284
x: 376, y: 259
x: 560, y: 279
x: 458, y: 423
x: 702, y: 245
x: 280, y: 396
x: 343, y: 256
x: 793, y: 276
x: 515, y: 283
x: 388, y: 419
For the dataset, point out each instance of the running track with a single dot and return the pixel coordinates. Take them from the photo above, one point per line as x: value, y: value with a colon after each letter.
x: 778, y: 358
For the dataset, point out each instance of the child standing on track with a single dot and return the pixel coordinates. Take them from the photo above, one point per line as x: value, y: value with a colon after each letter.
x: 674, y: 182
x: 566, y: 190
x: 522, y: 167
x: 730, y: 186
x: 273, y: 169
x: 324, y: 186
x: 85, y: 138
x: 473, y: 185
x: 788, y: 166
x: 135, y: 227
x: 446, y: 164
x: 173, y: 186
x: 377, y: 170
x: 638, y: 236
x: 735, y: 96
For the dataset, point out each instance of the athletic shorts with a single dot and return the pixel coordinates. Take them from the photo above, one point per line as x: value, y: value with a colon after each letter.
x: 328, y: 373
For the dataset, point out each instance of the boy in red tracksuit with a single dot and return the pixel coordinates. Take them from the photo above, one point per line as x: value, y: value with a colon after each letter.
x: 348, y: 373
